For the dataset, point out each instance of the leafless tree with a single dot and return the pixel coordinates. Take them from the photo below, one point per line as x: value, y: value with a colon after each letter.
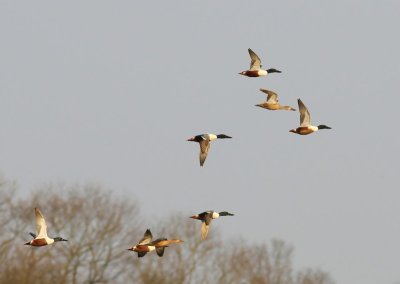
x: 100, y: 227
x: 95, y: 223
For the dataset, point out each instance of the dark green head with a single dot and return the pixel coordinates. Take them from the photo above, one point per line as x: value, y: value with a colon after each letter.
x: 224, y: 213
x: 59, y: 239
x: 273, y: 70
x: 222, y: 136
x: 322, y: 126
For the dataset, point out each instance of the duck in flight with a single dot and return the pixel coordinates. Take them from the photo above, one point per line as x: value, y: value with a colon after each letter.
x: 255, y: 67
x: 146, y: 244
x: 206, y: 218
x: 305, y: 127
x: 204, y: 141
x: 272, y: 102
x: 41, y: 238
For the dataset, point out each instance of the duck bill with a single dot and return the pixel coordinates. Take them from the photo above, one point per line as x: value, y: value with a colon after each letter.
x: 190, y: 139
x: 194, y: 217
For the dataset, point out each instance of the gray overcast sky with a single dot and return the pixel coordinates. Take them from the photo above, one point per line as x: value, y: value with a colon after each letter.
x: 109, y: 91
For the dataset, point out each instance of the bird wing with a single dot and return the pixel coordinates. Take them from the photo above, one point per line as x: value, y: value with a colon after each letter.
x: 272, y: 97
x: 141, y: 254
x: 204, y: 230
x: 41, y: 227
x: 304, y: 114
x: 146, y: 238
x: 255, y: 63
x: 160, y: 251
x: 208, y: 217
x: 204, y: 147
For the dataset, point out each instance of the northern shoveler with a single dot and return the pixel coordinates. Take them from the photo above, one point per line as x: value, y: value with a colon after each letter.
x: 272, y: 102
x: 204, y: 141
x: 41, y: 238
x: 206, y: 218
x: 305, y: 124
x: 145, y: 245
x: 255, y: 67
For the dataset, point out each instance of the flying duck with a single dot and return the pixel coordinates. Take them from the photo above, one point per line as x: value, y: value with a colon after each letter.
x: 305, y: 127
x: 255, y: 67
x: 206, y: 218
x: 145, y: 245
x: 204, y: 141
x: 41, y: 238
x: 272, y: 102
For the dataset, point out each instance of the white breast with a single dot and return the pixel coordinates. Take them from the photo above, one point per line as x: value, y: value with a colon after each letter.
x: 262, y: 72
x: 215, y: 215
x: 212, y: 136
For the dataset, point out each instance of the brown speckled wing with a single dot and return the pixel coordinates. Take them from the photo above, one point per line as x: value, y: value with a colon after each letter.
x: 272, y: 97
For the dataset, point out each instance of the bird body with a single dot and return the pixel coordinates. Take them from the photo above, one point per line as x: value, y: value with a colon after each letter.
x: 255, y: 67
x: 41, y: 238
x: 272, y: 102
x: 305, y: 127
x: 204, y: 142
x: 146, y: 244
x: 206, y: 218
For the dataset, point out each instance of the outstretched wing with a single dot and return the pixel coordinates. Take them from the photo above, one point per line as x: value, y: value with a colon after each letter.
x: 146, y: 238
x: 141, y: 254
x: 160, y: 251
x: 304, y: 114
x: 204, y: 229
x: 204, y: 147
x: 255, y: 63
x: 272, y: 97
x: 41, y: 227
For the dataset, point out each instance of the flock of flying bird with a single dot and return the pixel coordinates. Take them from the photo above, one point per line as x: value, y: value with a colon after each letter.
x: 272, y: 103
x: 146, y: 244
